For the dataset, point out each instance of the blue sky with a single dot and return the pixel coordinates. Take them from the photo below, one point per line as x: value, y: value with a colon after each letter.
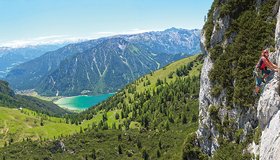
x: 41, y: 20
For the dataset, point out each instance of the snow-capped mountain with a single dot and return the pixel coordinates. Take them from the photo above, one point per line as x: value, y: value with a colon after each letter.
x: 10, y: 57
x: 104, y: 65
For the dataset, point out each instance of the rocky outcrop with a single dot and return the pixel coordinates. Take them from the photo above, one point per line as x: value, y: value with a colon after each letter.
x: 266, y: 110
x: 221, y: 24
x: 58, y: 147
x: 269, y: 111
x: 207, y: 132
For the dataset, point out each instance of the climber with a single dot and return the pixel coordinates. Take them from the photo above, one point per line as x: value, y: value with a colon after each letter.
x: 261, y: 71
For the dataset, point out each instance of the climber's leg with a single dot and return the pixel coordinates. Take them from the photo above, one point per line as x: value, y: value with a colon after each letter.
x: 266, y: 74
x: 258, y: 84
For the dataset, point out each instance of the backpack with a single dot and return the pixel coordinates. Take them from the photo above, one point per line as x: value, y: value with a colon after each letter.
x: 257, y: 72
x: 257, y: 69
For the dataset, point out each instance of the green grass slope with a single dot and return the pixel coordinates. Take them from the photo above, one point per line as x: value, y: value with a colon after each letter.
x: 17, y: 125
x: 9, y: 99
x: 149, y: 119
x: 185, y: 72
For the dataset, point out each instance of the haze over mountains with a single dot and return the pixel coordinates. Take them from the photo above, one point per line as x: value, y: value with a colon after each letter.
x: 91, y: 67
x: 10, y: 57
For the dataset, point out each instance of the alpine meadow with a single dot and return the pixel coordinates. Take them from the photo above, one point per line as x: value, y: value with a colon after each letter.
x: 132, y: 80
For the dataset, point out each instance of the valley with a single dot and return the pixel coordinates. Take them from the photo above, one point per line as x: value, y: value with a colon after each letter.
x: 82, y: 102
x: 13, y: 56
x: 117, y: 130
x: 90, y: 67
x: 132, y: 89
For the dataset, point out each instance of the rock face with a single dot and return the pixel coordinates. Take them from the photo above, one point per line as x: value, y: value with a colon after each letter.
x: 265, y: 112
x: 58, y: 147
x: 269, y: 111
x: 207, y: 133
x: 205, y: 99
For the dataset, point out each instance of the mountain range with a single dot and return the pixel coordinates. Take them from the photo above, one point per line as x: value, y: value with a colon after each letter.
x: 90, y: 67
x: 129, y: 125
x: 186, y: 110
x: 11, y: 57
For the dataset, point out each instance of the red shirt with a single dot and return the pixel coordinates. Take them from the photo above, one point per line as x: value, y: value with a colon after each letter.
x: 261, y: 64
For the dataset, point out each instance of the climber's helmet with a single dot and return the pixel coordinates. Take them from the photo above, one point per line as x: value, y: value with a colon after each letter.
x: 265, y: 53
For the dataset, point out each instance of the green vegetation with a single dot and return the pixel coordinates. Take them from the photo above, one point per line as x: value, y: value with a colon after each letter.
x: 231, y: 151
x: 9, y: 99
x: 148, y: 122
x: 20, y: 125
x: 257, y: 135
x: 253, y: 30
x: 191, y: 149
x: 209, y: 25
x: 157, y: 94
x: 168, y: 73
x: 104, y: 144
x: 36, y: 95
x: 232, y: 143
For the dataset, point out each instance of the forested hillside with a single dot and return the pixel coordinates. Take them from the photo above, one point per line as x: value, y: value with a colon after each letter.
x: 151, y: 119
x: 90, y: 67
x: 9, y: 99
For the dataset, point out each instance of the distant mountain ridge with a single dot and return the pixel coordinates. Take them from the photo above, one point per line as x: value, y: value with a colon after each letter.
x: 169, y: 41
x: 104, y: 65
x: 136, y: 118
x: 10, y: 57
x: 29, y: 74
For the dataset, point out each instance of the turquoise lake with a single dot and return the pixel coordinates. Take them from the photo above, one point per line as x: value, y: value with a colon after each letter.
x: 81, y: 102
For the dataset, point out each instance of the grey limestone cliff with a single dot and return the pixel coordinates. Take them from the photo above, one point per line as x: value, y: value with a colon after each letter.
x: 269, y: 111
x: 264, y: 113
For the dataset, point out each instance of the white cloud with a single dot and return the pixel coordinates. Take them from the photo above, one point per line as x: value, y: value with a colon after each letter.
x: 59, y: 39
x: 103, y: 33
x: 52, y: 39
x: 135, y: 31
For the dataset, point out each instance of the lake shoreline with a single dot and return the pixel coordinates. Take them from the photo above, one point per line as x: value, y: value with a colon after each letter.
x: 68, y: 103
x: 81, y: 102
